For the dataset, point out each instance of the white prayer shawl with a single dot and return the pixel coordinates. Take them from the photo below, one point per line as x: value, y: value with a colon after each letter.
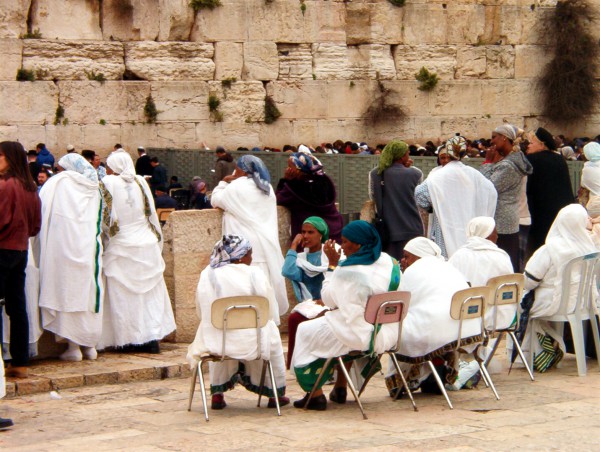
x: 70, y: 260
x: 479, y: 260
x: 2, y: 379
x: 249, y: 212
x: 458, y: 194
x: 228, y: 281
x: 428, y: 326
x: 590, y: 179
x: 137, y: 305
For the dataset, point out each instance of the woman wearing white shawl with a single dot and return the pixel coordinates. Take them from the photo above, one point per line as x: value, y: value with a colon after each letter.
x: 590, y: 179
x: 428, y: 331
x: 137, y: 308
x: 229, y: 274
x: 250, y: 209
x: 455, y: 193
x: 70, y: 260
x: 480, y: 259
x: 567, y: 238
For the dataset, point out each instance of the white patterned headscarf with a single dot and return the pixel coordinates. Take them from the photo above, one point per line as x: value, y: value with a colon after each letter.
x: 455, y: 147
x: 75, y: 162
x: 422, y: 247
x: 481, y: 227
x: 122, y: 164
x: 229, y: 249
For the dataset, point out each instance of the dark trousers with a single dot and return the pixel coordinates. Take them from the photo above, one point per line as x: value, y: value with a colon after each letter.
x: 510, y: 244
x: 294, y: 320
x: 12, y: 289
x: 396, y: 249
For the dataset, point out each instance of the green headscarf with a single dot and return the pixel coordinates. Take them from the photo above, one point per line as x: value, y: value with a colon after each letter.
x: 320, y: 225
x: 393, y: 151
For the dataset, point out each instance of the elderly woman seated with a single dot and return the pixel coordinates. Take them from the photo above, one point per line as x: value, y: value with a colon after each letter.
x: 567, y: 238
x: 364, y: 272
x: 230, y: 274
x: 428, y: 331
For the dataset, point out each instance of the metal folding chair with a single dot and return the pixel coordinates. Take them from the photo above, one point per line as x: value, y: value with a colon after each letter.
x: 505, y: 290
x: 234, y: 313
x: 381, y: 309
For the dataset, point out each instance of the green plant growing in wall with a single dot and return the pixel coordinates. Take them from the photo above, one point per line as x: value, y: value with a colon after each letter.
x: 197, y: 5
x: 227, y: 82
x: 272, y: 113
x: 35, y: 34
x: 102, y: 122
x: 213, y: 103
x: 150, y: 111
x: 59, y: 115
x: 352, y: 84
x: 302, y: 7
x: 397, y: 2
x: 25, y: 75
x: 428, y: 79
x: 96, y: 76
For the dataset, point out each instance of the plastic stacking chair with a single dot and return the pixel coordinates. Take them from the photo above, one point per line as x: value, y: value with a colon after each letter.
x: 234, y: 313
x: 381, y: 309
x: 163, y: 215
x: 505, y: 290
x: 587, y: 268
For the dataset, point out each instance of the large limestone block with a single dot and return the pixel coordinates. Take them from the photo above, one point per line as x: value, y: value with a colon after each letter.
x: 130, y: 20
x: 530, y: 61
x: 134, y: 134
x: 28, y: 102
x: 471, y: 62
x: 176, y: 19
x: 439, y: 59
x: 195, y: 231
x: 89, y: 102
x: 170, y: 60
x: 176, y: 135
x: 242, y: 102
x: 229, y: 60
x: 11, y: 133
x: 101, y: 137
x: 228, y: 22
x: 500, y: 62
x: 429, y: 128
x: 13, y: 18
x: 324, y: 22
x: 465, y: 125
x: 276, y: 134
x: 261, y: 61
x: 534, y: 25
x: 67, y: 19
x: 412, y: 100
x: 373, y: 22
x: 330, y: 61
x: 244, y: 134
x: 466, y: 22
x: 457, y: 98
x: 11, y: 56
x: 298, y: 99
x: 295, y: 61
x: 181, y: 101
x: 508, y: 21
x: 509, y: 97
x: 74, y: 60
x: 425, y: 24
x: 348, y: 99
x: 68, y: 134
x: 371, y: 62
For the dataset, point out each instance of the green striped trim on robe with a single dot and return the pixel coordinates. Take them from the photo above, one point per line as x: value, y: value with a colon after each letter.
x: 550, y: 355
x: 97, y: 258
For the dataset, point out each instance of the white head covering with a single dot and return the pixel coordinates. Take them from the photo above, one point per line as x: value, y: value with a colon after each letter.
x: 122, y: 164
x: 507, y: 130
x: 422, y: 247
x: 304, y: 149
x: 75, y: 162
x: 592, y: 151
x: 481, y: 227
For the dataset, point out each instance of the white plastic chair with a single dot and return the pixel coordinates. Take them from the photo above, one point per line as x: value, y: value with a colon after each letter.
x: 587, y: 267
x: 233, y: 313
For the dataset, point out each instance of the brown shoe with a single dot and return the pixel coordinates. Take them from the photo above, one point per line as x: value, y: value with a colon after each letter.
x: 17, y: 372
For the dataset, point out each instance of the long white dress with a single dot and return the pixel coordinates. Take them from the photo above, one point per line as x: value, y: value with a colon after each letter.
x: 137, y: 307
x: 70, y: 260
x: 249, y: 212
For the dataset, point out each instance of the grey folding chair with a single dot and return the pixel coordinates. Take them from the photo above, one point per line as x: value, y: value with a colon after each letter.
x: 505, y: 290
x: 235, y: 313
x: 381, y: 309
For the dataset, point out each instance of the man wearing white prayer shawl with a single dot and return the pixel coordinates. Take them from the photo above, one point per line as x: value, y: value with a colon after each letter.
x: 480, y: 259
x: 137, y: 309
x: 455, y: 193
x: 250, y: 210
x: 229, y: 274
x: 567, y: 238
x: 428, y: 331
x: 70, y: 259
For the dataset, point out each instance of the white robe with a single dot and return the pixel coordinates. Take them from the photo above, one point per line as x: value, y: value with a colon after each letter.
x: 479, y: 260
x: 2, y: 379
x: 70, y: 260
x: 249, y: 212
x: 459, y: 193
x: 590, y: 179
x: 344, y: 329
x: 137, y: 307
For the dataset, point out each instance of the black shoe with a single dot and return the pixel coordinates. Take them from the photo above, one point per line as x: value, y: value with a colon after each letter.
x: 5, y: 423
x: 283, y: 401
x: 338, y: 395
x: 318, y: 403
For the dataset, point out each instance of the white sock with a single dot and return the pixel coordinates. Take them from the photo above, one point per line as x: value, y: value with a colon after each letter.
x: 73, y: 353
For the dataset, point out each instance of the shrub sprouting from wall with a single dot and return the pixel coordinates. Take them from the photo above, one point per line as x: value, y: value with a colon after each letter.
x: 272, y: 113
x: 428, y: 79
x: 397, y: 2
x: 382, y: 109
x: 568, y: 86
x: 197, y: 5
x: 150, y: 111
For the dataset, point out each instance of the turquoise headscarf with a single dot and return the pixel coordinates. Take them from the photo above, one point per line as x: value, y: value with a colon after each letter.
x: 319, y: 224
x: 367, y: 237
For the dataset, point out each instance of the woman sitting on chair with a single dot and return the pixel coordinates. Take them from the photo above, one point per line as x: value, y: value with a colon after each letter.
x: 567, y: 238
x: 346, y: 289
x: 230, y: 274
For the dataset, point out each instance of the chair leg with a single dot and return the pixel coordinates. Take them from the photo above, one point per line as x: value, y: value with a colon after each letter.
x: 578, y: 342
x: 532, y: 340
x: 485, y: 372
x: 440, y: 384
x: 409, y: 392
x: 274, y: 386
x: 319, y: 378
x: 193, y: 386
x: 521, y: 354
x: 351, y: 385
x: 364, y: 385
x: 494, y: 348
x: 262, y: 382
x: 594, y: 322
x: 203, y: 390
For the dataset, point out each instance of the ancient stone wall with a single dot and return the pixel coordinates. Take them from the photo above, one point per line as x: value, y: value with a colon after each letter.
x: 319, y: 63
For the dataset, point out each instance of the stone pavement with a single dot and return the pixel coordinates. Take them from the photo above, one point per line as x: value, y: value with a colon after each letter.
x: 559, y: 411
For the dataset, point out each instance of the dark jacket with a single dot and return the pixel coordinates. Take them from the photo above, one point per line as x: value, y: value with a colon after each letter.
x: 159, y: 177
x: 165, y: 202
x: 143, y: 166
x: 224, y: 167
x: 44, y: 157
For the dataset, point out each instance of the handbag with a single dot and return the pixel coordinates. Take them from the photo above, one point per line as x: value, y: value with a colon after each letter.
x: 378, y: 221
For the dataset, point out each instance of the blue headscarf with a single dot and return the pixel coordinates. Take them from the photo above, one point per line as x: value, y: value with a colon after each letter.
x: 229, y: 249
x: 257, y: 170
x: 367, y: 237
x: 307, y: 163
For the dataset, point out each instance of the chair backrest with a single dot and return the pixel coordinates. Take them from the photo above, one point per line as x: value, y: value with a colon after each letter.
x: 163, y: 214
x: 469, y: 304
x: 505, y: 289
x: 387, y: 307
x: 240, y: 312
x: 587, y: 267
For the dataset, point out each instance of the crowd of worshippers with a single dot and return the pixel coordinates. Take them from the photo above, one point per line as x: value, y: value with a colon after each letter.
x: 82, y: 258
